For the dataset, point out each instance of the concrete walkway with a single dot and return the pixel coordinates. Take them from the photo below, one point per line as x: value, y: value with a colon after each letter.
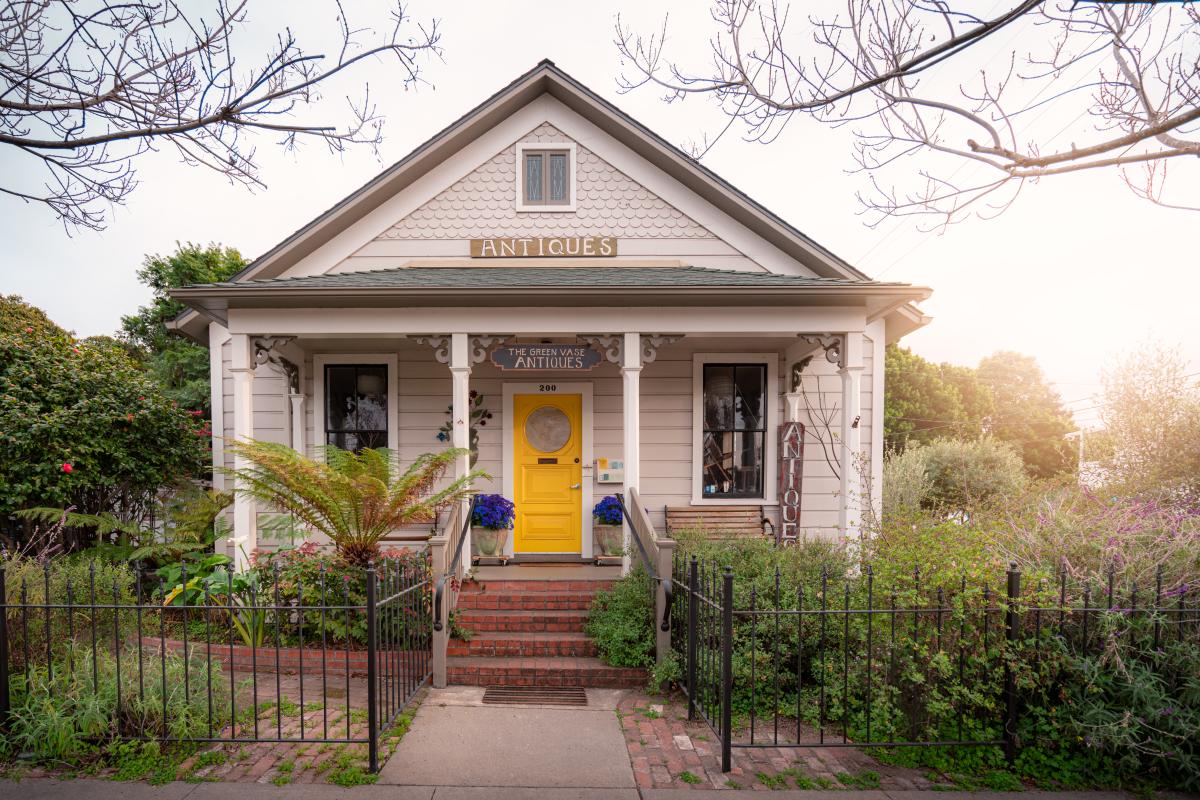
x: 458, y: 741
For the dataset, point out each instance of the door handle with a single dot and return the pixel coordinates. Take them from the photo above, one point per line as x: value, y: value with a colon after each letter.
x: 575, y: 485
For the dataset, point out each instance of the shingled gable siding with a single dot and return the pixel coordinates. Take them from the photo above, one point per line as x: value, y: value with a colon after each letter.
x: 610, y: 203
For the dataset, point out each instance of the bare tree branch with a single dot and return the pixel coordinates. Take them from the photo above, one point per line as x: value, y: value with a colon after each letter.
x: 920, y: 78
x: 87, y: 87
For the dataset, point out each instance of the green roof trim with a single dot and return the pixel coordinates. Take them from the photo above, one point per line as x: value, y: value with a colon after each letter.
x: 598, y: 277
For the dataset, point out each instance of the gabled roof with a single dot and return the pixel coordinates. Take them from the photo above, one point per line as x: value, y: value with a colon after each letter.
x: 545, y: 78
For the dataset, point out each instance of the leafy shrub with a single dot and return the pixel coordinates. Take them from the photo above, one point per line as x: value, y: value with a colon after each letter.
x: 72, y: 578
x: 952, y: 475
x: 301, y: 572
x: 82, y: 423
x: 61, y: 714
x: 621, y: 621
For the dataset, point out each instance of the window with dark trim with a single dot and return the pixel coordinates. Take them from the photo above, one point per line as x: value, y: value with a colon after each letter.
x: 356, y: 415
x: 546, y: 177
x: 735, y: 432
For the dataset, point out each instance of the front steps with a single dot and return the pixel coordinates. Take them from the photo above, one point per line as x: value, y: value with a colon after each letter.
x: 530, y: 633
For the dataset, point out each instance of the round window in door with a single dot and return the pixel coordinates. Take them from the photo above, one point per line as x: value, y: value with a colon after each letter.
x: 547, y: 429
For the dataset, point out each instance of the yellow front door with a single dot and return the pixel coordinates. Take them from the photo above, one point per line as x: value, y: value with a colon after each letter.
x: 548, y: 473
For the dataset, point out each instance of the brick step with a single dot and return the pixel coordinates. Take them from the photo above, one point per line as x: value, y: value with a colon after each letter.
x: 554, y: 621
x: 536, y: 645
x: 529, y: 601
x: 475, y: 671
x: 531, y: 587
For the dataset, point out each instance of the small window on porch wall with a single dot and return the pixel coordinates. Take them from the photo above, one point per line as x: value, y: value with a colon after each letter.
x: 734, y: 430
x: 356, y: 406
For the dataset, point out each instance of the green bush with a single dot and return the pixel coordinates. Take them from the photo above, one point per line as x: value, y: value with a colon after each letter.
x: 1110, y: 710
x: 621, y: 621
x: 70, y: 577
x: 952, y: 476
x: 83, y: 424
x: 302, y: 571
x: 71, y: 709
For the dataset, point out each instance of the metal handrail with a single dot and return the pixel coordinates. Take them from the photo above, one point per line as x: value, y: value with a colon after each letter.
x: 668, y: 588
x: 453, y: 568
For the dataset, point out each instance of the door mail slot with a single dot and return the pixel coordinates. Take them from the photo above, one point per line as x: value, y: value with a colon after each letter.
x: 547, y: 460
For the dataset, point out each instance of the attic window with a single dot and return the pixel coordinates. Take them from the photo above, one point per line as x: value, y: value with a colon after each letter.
x: 545, y: 177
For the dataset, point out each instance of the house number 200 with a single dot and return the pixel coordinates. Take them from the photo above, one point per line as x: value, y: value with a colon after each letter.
x: 547, y: 387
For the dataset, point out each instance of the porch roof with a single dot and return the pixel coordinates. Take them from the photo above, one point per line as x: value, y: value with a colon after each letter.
x: 436, y: 279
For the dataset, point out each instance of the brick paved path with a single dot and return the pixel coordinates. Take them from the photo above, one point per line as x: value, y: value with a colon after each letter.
x: 668, y: 752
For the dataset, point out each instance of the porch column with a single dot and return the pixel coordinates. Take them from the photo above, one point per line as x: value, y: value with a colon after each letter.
x: 460, y: 374
x: 298, y: 427
x: 850, y: 503
x: 245, y: 534
x: 631, y: 375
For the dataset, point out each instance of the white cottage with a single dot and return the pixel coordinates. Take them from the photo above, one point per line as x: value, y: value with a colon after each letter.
x: 629, y: 318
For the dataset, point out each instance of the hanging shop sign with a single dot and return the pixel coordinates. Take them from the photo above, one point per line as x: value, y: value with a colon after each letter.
x: 529, y: 357
x: 535, y: 247
x: 791, y: 479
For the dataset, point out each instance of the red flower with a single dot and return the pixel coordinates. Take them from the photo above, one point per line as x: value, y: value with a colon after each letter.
x: 67, y: 468
x: 29, y: 330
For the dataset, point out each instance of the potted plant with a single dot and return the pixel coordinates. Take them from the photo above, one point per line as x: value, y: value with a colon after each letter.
x: 491, y: 521
x: 606, y: 527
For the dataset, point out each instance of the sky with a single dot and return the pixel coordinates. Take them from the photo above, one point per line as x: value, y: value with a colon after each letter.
x: 1078, y: 272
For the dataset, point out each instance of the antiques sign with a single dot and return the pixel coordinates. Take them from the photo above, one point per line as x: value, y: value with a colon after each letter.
x: 791, y: 478
x: 534, y: 247
x: 525, y: 357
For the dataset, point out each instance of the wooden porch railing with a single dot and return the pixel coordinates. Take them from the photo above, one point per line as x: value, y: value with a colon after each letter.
x: 446, y: 567
x: 657, y: 553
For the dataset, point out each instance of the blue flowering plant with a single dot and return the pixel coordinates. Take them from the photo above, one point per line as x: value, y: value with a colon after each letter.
x: 493, y: 511
x: 607, y: 511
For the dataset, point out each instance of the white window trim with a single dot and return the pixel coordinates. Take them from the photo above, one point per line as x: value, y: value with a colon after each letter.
x: 522, y: 147
x: 771, y: 468
x: 513, y: 388
x: 389, y: 360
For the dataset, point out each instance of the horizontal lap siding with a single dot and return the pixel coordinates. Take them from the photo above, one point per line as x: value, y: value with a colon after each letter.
x: 666, y: 420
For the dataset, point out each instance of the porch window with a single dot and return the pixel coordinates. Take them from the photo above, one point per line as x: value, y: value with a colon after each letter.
x: 735, y: 427
x: 356, y: 406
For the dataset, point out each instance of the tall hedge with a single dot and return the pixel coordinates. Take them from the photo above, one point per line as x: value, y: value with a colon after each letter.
x: 82, y: 423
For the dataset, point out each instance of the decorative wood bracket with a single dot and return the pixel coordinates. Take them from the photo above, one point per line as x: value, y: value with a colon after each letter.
x: 651, y: 343
x: 832, y: 343
x: 440, y: 345
x: 611, y: 346
x: 480, y: 345
x: 265, y: 352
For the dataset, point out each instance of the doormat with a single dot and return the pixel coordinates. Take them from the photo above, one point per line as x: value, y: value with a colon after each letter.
x: 535, y: 695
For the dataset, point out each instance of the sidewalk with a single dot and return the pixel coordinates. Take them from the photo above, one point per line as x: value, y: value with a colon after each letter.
x: 39, y: 789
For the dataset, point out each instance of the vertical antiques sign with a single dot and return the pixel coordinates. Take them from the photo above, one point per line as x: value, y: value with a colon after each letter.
x: 791, y: 480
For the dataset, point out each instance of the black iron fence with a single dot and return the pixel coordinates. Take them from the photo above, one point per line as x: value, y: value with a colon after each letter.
x: 231, y: 657
x: 842, y: 661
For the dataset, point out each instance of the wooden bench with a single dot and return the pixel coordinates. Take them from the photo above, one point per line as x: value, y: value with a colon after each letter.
x: 719, y: 522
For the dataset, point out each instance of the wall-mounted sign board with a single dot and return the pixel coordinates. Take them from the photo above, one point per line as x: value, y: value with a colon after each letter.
x: 536, y: 247
x: 791, y: 479
x: 530, y: 357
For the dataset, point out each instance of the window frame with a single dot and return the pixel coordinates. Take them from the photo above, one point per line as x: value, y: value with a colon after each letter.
x: 545, y: 148
x: 387, y: 360
x: 771, y: 401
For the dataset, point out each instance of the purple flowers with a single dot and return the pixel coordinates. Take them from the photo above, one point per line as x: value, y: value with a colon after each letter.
x: 608, y: 511
x: 493, y: 511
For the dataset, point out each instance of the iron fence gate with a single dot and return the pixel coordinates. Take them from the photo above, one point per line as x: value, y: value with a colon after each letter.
x: 245, y: 658
x: 838, y: 661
